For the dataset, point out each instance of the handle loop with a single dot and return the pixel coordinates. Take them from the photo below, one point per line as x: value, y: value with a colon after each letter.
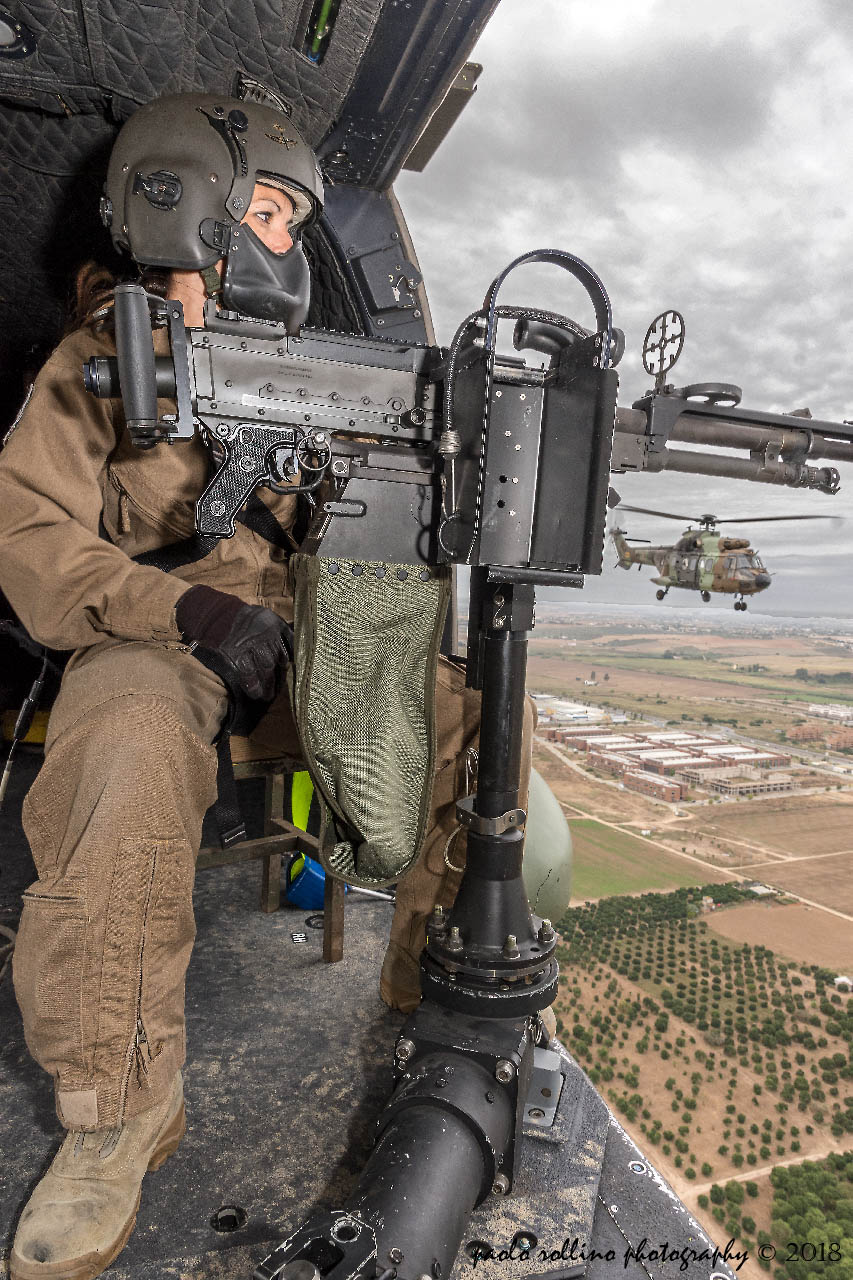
x: 583, y: 273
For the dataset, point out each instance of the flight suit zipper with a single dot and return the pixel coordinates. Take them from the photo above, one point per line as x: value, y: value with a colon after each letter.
x: 135, y: 1056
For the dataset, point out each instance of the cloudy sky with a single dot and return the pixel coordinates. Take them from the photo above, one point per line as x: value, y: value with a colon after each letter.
x: 698, y: 156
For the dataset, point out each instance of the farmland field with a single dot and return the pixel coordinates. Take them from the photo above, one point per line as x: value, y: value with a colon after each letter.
x: 795, y: 825
x: 792, y: 930
x: 608, y: 862
x: 828, y: 881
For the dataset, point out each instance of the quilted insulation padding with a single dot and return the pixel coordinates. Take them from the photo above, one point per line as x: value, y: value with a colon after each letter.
x: 105, y: 56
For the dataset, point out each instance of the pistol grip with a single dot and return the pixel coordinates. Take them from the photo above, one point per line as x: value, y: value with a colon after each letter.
x: 244, y: 468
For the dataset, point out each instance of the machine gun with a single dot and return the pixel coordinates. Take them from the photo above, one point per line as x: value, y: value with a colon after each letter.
x: 777, y: 448
x: 360, y: 413
x: 431, y: 458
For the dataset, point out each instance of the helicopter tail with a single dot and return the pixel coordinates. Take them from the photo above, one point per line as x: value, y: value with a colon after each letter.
x: 623, y: 549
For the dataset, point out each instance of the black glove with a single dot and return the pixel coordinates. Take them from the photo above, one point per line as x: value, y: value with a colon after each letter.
x: 253, y: 644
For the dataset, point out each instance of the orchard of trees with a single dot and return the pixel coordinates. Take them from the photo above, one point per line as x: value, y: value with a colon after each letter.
x: 768, y: 1068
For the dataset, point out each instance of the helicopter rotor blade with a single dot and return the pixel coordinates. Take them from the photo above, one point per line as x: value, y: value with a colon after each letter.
x: 667, y: 515
x: 767, y: 519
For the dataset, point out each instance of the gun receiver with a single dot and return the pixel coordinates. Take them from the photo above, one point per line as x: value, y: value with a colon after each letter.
x: 511, y: 473
x: 776, y: 445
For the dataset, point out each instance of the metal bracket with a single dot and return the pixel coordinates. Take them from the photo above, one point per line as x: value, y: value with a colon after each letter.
x: 184, y: 428
x: 467, y: 817
x: 345, y: 507
x: 663, y: 411
x: 544, y: 1090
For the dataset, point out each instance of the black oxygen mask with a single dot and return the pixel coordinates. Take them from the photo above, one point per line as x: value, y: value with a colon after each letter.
x: 270, y: 286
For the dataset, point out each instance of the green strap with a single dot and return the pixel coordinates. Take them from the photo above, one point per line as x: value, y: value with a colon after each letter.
x: 212, y: 282
x: 301, y: 795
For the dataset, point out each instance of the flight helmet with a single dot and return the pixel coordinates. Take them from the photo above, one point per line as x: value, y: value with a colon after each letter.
x: 180, y: 179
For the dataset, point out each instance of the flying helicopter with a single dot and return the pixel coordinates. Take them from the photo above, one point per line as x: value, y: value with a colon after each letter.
x: 703, y: 559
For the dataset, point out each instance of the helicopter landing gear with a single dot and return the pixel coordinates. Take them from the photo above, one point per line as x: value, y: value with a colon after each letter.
x: 706, y: 596
x: 660, y: 593
x: 740, y: 604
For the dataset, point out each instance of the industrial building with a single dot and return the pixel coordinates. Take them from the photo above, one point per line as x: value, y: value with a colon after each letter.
x: 738, y: 781
x: 659, y: 788
x: 646, y: 756
x: 839, y: 711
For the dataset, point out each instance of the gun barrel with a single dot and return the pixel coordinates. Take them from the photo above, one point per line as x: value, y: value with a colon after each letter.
x: 794, y: 474
x: 794, y: 443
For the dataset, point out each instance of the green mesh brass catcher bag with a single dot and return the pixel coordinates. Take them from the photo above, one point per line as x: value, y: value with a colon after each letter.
x: 366, y: 647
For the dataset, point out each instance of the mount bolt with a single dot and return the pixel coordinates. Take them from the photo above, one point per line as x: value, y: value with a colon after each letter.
x: 504, y: 1071
x: 454, y: 942
x: 405, y: 1050
x: 510, y: 950
x: 546, y: 931
x: 438, y: 920
x: 500, y: 1186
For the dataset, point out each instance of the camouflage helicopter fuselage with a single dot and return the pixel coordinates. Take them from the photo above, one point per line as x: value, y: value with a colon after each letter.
x: 701, y: 560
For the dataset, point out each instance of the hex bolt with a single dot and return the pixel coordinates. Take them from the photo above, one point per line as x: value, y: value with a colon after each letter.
x: 395, y: 1256
x: 500, y: 1186
x: 504, y: 1071
x: 405, y: 1050
x: 510, y: 950
x: 438, y: 920
x: 546, y: 931
x: 454, y: 941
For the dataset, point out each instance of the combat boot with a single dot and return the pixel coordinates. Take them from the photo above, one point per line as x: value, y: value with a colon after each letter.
x: 81, y: 1214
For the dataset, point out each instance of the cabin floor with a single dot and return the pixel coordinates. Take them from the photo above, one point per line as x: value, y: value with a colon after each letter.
x: 288, y: 1067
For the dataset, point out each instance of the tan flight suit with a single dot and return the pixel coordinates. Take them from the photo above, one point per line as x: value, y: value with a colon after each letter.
x: 114, y: 817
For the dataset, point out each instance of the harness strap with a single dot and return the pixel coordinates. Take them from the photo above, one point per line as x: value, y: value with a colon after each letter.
x: 256, y: 516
